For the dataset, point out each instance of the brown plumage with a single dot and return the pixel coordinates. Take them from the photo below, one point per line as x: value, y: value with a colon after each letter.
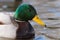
x: 25, y: 31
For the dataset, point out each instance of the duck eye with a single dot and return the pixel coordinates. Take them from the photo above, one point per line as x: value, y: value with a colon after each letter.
x: 29, y: 10
x: 1, y: 23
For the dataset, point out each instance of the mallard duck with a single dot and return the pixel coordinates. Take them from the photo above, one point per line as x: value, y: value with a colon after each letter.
x: 23, y: 14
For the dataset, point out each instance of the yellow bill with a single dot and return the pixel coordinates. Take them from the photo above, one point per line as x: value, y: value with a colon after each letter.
x: 38, y: 20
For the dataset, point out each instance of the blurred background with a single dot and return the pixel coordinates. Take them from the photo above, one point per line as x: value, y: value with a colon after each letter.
x: 9, y: 5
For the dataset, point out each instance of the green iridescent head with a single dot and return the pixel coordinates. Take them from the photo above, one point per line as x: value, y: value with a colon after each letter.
x: 25, y: 12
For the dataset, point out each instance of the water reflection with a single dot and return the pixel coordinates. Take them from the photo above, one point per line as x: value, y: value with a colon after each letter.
x: 40, y: 37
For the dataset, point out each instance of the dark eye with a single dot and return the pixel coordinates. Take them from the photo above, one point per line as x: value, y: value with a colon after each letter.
x: 29, y: 10
x: 1, y: 23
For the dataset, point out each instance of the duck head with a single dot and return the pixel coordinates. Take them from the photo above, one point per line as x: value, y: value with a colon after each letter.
x: 26, y: 12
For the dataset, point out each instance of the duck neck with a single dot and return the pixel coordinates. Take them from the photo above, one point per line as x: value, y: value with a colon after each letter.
x: 22, y: 22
